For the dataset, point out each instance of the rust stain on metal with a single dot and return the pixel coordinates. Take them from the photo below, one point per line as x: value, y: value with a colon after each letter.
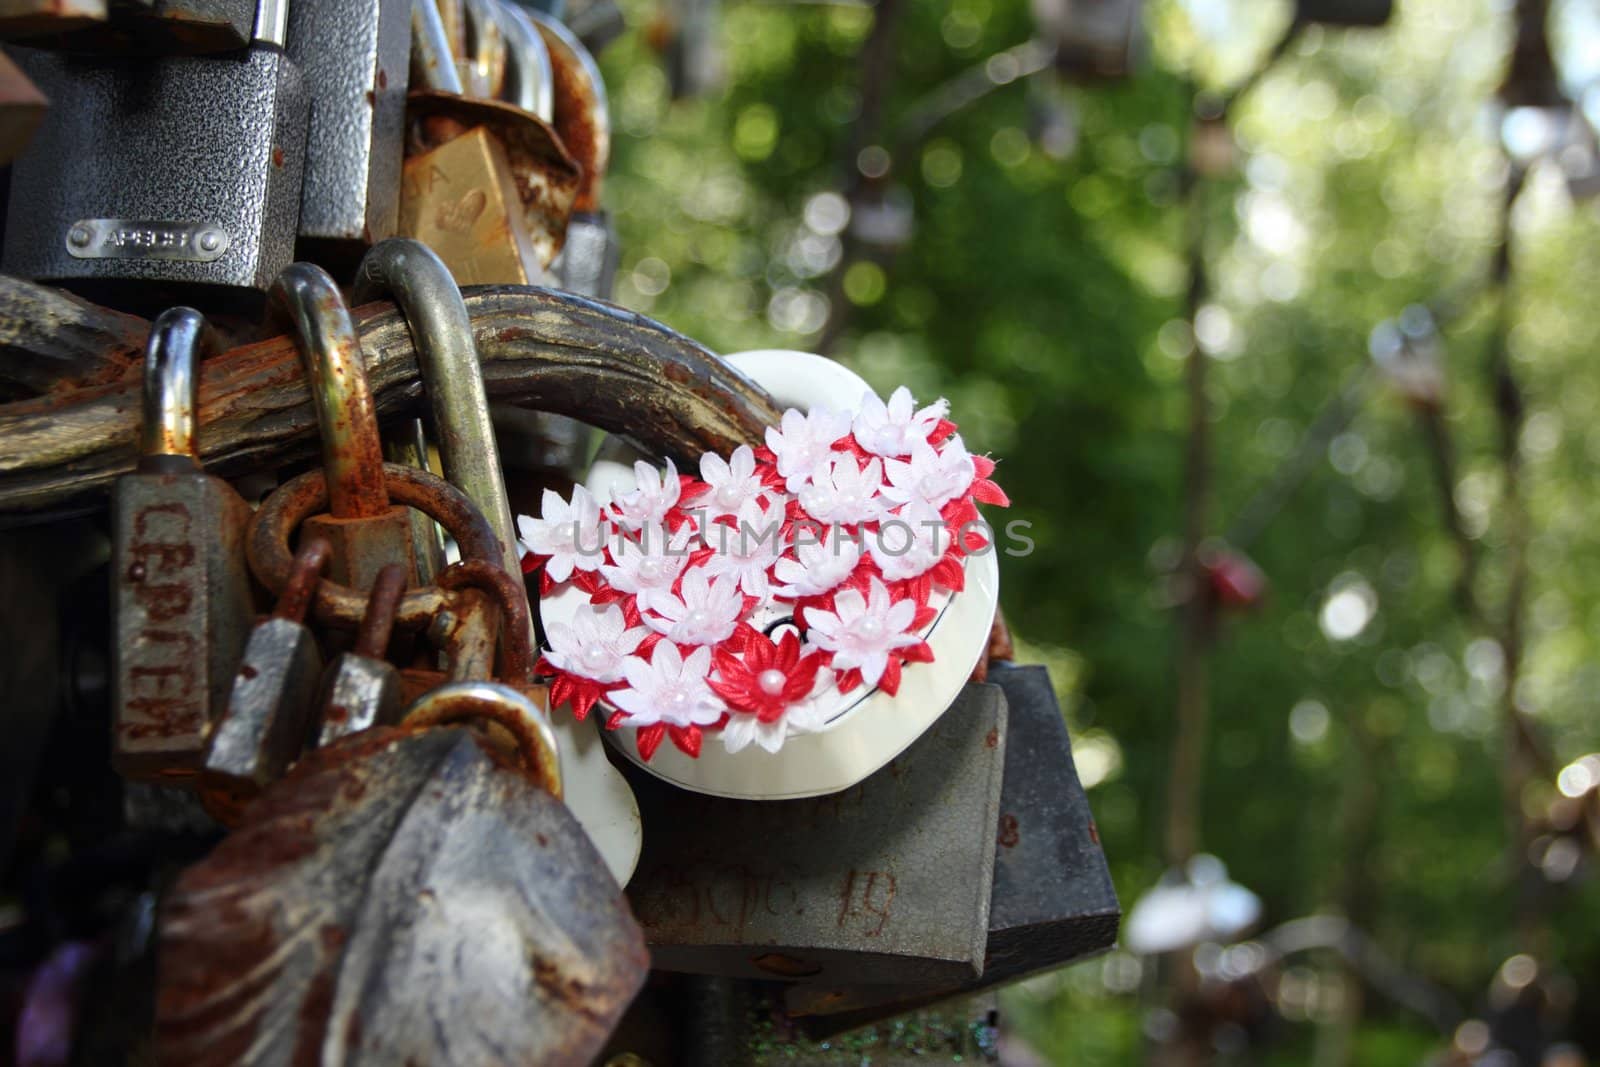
x: 512, y: 599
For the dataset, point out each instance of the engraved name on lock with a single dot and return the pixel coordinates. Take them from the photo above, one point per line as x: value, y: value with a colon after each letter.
x: 190, y: 242
x: 162, y: 698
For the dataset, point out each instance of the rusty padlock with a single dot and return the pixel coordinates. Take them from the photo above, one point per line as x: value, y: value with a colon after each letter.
x: 1053, y: 901
x: 886, y: 882
x: 180, y: 591
x: 364, y: 527
x: 362, y: 689
x: 486, y: 185
x: 273, y: 697
x: 409, y: 895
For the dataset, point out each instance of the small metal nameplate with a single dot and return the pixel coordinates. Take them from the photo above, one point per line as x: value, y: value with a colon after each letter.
x: 189, y: 242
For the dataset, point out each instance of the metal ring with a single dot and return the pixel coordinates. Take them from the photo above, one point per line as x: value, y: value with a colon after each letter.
x: 300, y: 498
x: 507, y: 706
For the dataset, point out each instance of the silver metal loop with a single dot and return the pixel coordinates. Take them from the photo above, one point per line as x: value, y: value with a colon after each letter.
x: 171, y: 387
x: 412, y: 274
x: 531, y: 85
x: 512, y: 709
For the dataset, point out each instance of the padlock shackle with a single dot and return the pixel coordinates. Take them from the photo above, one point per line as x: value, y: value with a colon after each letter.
x: 430, y: 43
x: 170, y: 391
x: 533, y: 88
x: 372, y: 639
x: 420, y: 284
x: 305, y: 298
x: 304, y: 573
x: 516, y: 624
x: 507, y: 707
x: 484, y: 56
x: 583, y: 117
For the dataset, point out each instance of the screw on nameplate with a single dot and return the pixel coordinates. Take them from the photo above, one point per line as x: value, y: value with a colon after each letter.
x: 190, y: 242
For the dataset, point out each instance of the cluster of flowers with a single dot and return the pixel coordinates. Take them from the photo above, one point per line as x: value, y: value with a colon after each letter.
x: 840, y: 532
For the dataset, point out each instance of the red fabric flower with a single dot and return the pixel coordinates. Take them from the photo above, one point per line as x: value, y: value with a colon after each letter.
x: 769, y: 678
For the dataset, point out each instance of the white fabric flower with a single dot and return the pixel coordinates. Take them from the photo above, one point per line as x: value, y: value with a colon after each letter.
x: 862, y: 631
x: 843, y: 491
x: 803, y: 443
x: 655, y: 493
x: 703, y: 612
x: 935, y: 478
x: 807, y: 716
x: 670, y: 689
x: 595, y: 643
x: 746, y: 553
x: 820, y: 564
x: 572, y: 534
x: 732, y: 482
x: 909, y: 543
x: 652, y: 561
x: 893, y: 429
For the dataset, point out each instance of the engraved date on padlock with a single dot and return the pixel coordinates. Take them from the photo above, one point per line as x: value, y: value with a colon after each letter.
x: 188, y: 242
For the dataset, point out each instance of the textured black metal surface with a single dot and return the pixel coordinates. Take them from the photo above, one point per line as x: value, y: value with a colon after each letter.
x: 216, y: 140
x: 887, y: 881
x: 355, y: 56
x: 1053, y: 901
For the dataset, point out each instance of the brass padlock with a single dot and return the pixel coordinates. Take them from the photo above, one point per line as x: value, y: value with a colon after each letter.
x: 487, y: 185
x: 885, y: 882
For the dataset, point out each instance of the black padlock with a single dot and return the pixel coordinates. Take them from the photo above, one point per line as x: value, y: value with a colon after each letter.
x: 887, y: 881
x: 1052, y: 902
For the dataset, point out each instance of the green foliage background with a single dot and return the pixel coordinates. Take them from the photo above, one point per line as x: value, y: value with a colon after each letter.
x: 1040, y: 295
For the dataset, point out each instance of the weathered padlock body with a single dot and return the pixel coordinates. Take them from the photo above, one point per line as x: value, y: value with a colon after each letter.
x: 887, y: 881
x: 355, y: 58
x: 362, y: 689
x: 495, y: 208
x: 1053, y: 901
x: 361, y: 693
x: 183, y: 609
x: 141, y: 171
x: 269, y: 708
x: 402, y: 897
